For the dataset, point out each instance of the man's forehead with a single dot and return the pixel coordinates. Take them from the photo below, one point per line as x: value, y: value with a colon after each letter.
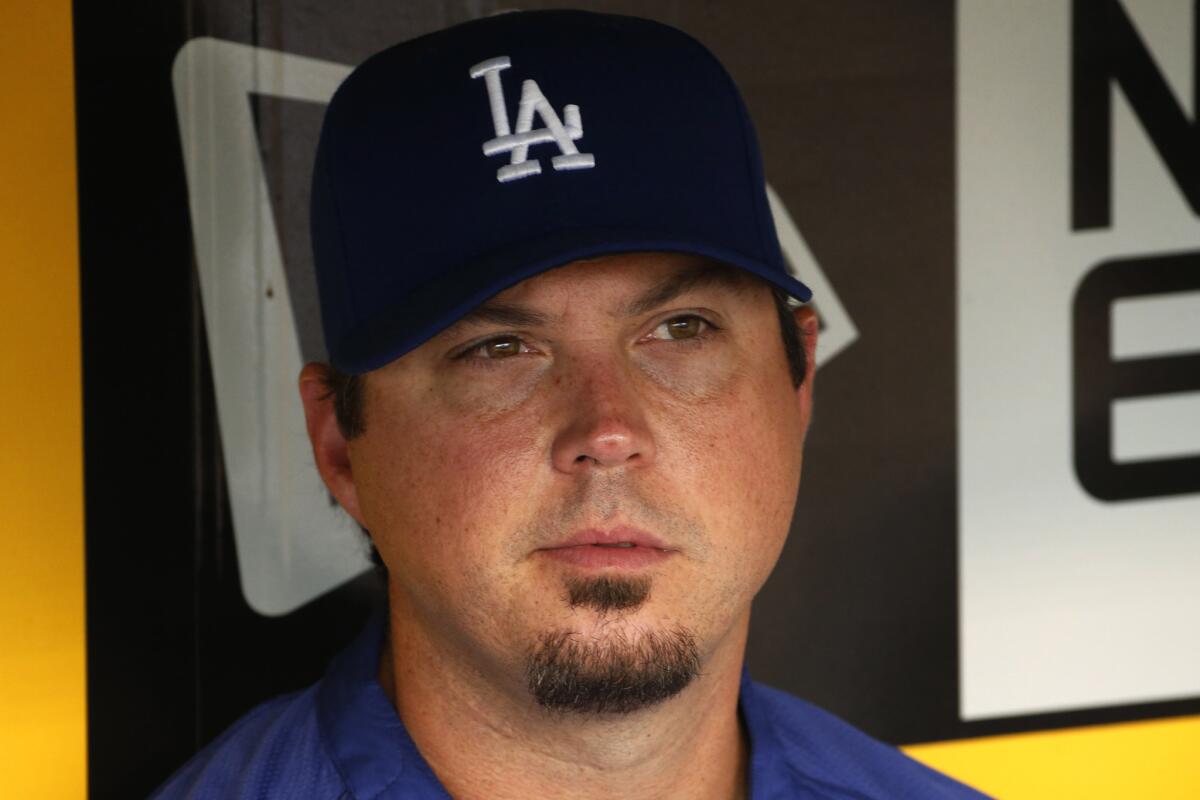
x: 628, y: 284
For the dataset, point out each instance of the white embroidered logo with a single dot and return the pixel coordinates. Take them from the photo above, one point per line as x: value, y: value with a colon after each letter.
x: 561, y: 132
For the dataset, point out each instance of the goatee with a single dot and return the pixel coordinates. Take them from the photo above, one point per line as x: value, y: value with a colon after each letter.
x: 614, y: 674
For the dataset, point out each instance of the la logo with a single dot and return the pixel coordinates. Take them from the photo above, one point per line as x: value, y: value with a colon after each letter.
x: 562, y: 132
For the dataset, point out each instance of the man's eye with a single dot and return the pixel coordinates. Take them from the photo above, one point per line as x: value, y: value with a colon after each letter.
x: 498, y: 348
x: 685, y: 327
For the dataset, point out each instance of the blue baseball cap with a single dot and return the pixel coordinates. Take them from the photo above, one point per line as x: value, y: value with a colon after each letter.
x: 460, y: 163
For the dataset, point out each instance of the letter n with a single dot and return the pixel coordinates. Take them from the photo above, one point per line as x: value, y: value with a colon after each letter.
x: 1105, y: 47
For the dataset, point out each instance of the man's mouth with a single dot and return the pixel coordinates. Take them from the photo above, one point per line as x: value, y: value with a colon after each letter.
x: 614, y: 548
x: 620, y: 536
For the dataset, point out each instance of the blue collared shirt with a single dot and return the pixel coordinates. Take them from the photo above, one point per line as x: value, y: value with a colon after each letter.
x: 341, y: 739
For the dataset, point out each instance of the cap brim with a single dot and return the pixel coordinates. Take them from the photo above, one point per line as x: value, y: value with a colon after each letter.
x: 425, y: 313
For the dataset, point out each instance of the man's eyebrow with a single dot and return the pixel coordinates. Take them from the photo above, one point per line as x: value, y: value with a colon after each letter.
x: 685, y: 280
x: 713, y: 273
x: 502, y: 314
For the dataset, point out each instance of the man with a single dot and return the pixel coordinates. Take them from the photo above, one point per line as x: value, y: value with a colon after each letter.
x: 567, y: 400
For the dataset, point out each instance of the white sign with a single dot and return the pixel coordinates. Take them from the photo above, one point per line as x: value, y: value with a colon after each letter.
x: 1079, y: 532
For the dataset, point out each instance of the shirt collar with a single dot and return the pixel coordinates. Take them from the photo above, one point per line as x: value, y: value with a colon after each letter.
x: 377, y: 758
x: 765, y: 771
x: 363, y: 733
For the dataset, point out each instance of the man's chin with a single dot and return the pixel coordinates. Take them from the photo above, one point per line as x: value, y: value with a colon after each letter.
x: 615, y: 670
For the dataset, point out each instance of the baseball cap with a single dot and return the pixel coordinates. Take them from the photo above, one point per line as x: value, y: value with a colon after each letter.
x: 455, y: 165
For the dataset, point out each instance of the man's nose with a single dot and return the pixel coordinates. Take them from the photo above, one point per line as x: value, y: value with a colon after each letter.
x: 604, y: 425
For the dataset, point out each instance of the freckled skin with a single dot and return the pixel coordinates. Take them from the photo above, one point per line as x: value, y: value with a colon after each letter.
x: 468, y: 466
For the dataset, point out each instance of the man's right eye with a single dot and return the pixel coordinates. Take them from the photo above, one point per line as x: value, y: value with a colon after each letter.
x: 496, y: 349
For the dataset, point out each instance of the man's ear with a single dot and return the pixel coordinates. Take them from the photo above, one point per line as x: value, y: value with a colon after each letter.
x: 331, y: 451
x: 807, y: 326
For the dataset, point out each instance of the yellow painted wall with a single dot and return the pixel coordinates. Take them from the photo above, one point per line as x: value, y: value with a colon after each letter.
x: 43, y: 720
x: 1155, y: 760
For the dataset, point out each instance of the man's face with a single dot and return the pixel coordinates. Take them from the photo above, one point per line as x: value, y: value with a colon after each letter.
x: 508, y: 465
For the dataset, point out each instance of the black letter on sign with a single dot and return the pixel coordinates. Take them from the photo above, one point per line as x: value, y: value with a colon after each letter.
x: 1105, y: 46
x: 1099, y: 380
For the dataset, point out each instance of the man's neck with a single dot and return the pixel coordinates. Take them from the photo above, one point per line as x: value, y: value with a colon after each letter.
x: 483, y: 741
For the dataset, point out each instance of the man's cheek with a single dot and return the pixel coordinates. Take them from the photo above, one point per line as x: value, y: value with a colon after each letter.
x: 743, y: 472
x: 483, y: 394
x: 474, y: 478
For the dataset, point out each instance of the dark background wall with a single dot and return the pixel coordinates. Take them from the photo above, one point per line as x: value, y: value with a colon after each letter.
x: 855, y: 104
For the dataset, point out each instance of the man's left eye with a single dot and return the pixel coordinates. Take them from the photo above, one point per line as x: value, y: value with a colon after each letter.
x: 688, y: 326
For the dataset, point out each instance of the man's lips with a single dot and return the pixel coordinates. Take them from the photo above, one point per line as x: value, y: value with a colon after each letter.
x: 619, y: 536
x: 598, y: 548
